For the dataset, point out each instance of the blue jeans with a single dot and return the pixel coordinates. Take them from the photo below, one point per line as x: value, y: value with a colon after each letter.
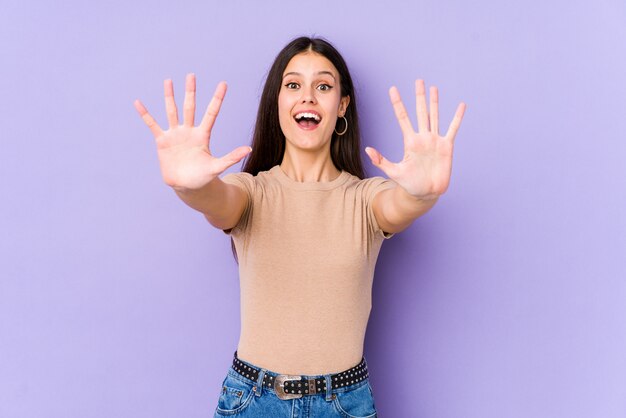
x: 243, y: 397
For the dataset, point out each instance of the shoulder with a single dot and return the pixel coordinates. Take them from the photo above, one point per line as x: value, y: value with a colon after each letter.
x: 369, y: 186
x: 366, y: 191
x: 243, y: 177
x: 239, y: 177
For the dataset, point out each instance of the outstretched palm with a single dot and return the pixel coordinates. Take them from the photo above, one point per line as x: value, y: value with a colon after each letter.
x: 425, y: 169
x: 183, y: 150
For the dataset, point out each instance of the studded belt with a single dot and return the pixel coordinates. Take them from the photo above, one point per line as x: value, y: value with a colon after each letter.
x: 296, y: 386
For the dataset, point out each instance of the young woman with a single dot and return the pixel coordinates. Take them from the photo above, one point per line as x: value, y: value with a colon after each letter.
x: 306, y: 226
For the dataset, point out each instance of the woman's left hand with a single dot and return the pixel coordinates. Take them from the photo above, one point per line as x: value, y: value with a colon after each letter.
x: 425, y: 170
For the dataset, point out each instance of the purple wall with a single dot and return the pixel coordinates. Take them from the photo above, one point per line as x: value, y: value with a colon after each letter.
x: 506, y: 300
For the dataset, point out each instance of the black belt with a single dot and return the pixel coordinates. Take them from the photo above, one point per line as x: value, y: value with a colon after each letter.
x: 295, y: 386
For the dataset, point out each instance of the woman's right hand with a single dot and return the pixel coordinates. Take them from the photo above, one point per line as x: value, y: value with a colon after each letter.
x: 184, y: 156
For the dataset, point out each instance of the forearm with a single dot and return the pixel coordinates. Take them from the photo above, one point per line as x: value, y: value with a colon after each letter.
x: 214, y: 200
x: 401, y: 208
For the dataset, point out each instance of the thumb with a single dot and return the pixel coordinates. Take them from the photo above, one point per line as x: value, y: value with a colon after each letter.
x: 378, y: 160
x: 234, y: 157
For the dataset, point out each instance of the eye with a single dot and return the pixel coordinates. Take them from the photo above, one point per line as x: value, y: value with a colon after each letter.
x: 328, y: 87
x: 288, y: 84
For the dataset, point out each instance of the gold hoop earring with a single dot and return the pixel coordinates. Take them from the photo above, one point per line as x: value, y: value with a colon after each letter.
x: 344, y: 131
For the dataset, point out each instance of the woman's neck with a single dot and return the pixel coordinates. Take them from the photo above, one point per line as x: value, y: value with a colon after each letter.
x: 305, y: 167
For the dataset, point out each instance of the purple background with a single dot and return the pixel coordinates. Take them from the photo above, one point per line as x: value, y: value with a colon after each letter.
x: 506, y: 300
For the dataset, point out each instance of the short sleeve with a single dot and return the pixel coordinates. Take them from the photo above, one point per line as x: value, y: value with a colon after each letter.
x: 246, y: 182
x: 373, y: 185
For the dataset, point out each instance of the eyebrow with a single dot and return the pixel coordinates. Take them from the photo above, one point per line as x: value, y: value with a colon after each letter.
x: 319, y: 72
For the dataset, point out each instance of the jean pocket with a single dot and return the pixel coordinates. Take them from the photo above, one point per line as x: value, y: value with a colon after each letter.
x: 235, y: 396
x: 356, y: 403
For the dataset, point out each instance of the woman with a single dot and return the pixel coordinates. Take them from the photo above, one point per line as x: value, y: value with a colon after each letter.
x: 306, y: 226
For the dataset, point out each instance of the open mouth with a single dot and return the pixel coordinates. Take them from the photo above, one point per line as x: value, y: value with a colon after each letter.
x: 307, y: 120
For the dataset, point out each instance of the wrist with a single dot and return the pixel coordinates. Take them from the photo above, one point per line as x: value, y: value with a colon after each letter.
x: 419, y: 198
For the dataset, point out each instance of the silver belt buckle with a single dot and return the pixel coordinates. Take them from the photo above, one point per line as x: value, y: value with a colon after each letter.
x: 279, y: 386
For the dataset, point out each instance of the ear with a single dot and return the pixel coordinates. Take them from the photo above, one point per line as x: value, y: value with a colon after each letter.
x: 343, y: 105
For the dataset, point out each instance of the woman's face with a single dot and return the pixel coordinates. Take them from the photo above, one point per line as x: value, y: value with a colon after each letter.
x: 310, y: 83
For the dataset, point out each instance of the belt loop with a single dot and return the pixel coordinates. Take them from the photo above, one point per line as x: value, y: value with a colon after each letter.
x: 329, y: 385
x: 259, y: 382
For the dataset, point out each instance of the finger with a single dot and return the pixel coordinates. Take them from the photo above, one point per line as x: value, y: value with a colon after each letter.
x: 379, y: 161
x: 189, y: 106
x: 170, y: 104
x: 233, y: 157
x: 148, y: 119
x: 434, y: 110
x: 422, y: 109
x: 400, y: 110
x: 214, y: 108
x: 456, y: 122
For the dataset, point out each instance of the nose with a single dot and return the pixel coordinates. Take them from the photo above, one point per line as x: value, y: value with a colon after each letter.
x: 308, y: 95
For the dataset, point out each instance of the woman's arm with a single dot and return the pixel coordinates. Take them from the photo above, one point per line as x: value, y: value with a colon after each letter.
x: 395, y: 209
x: 221, y: 203
x: 186, y: 162
x: 424, y: 173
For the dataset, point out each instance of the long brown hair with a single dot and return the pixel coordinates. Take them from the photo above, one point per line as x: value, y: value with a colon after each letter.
x: 268, y: 142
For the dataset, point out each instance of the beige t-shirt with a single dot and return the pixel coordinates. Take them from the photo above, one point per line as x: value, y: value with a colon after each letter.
x: 307, y: 252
